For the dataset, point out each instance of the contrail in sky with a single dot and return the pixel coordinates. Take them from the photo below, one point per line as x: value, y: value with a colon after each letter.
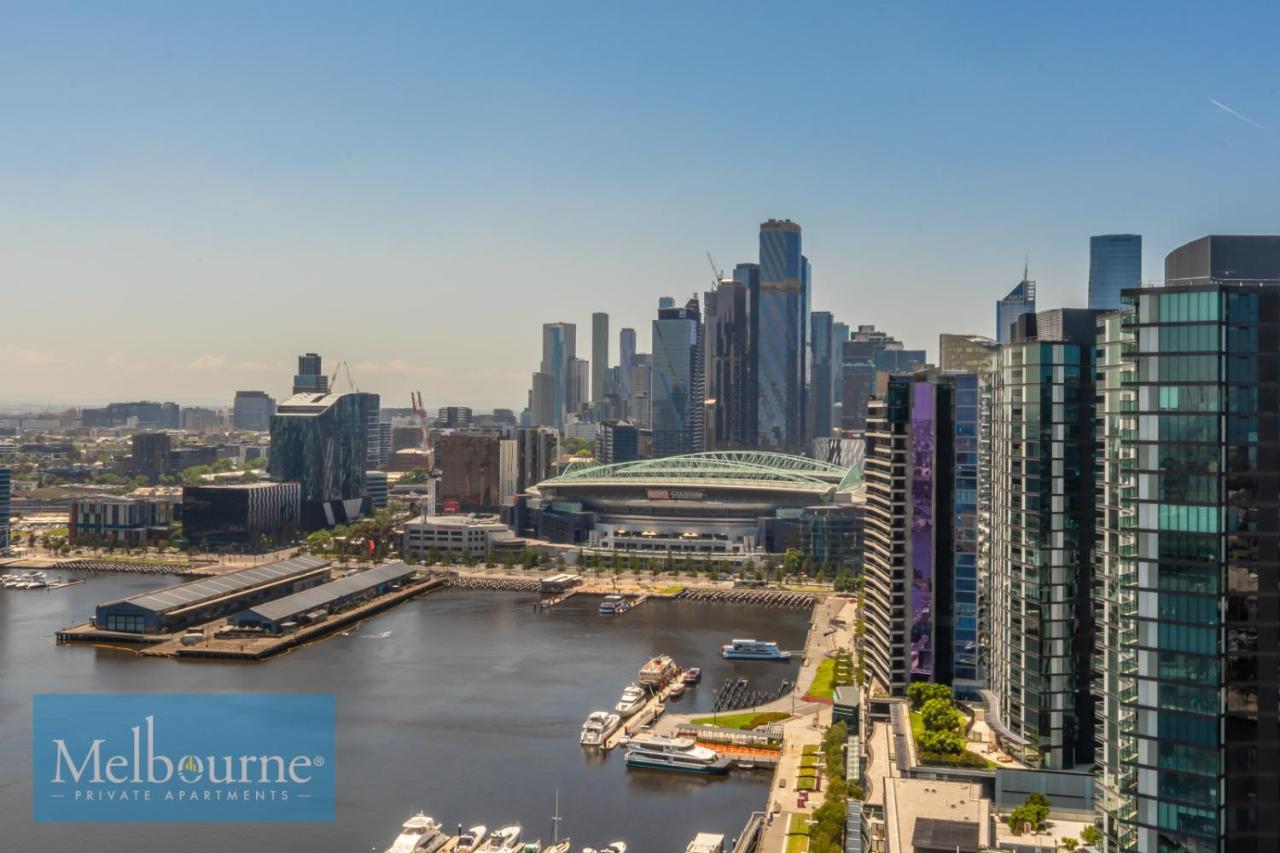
x: 1241, y: 116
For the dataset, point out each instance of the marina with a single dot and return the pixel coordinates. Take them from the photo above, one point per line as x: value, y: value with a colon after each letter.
x: 444, y: 680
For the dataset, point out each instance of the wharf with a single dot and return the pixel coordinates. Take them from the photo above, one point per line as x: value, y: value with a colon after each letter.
x: 653, y: 708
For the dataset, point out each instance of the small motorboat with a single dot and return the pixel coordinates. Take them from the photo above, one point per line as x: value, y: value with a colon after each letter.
x: 563, y: 847
x: 677, y: 690
x: 692, y: 675
x: 470, y: 841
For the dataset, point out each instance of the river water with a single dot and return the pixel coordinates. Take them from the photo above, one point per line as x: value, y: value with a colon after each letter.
x: 466, y: 705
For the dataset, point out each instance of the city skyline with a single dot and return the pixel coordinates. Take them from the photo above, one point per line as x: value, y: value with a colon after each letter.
x: 293, y: 184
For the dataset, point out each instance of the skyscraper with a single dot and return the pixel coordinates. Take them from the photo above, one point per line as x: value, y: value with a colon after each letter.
x: 6, y: 486
x: 839, y: 334
x: 780, y: 344
x: 1205, y: 567
x: 1021, y: 300
x: 678, y: 412
x: 626, y: 358
x: 542, y: 400
x: 921, y: 539
x: 559, y: 347
x: 821, y: 356
x: 253, y: 411
x: 310, y: 378
x: 321, y: 441
x: 868, y: 352
x: 1115, y: 265
x: 579, y: 385
x: 730, y: 369
x: 1040, y: 628
x: 599, y: 355
x: 973, y: 353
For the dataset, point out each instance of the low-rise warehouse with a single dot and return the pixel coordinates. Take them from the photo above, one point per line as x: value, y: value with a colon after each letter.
x: 319, y: 602
x: 179, y: 607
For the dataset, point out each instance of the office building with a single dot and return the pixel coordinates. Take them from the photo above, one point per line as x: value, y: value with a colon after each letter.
x: 241, y: 513
x: 1205, y: 567
x: 1115, y: 265
x: 454, y: 417
x: 6, y: 490
x: 310, y: 378
x: 730, y: 367
x: 822, y: 358
x: 626, y: 358
x: 384, y: 442
x: 579, y: 386
x: 869, y: 351
x: 253, y: 411
x: 599, y: 355
x: 465, y: 537
x: 321, y: 442
x: 921, y: 536
x: 143, y: 414
x: 469, y: 472
x: 543, y: 401
x: 678, y: 413
x: 639, y: 409
x: 1042, y: 532
x: 150, y: 455
x: 1021, y: 300
x: 780, y: 344
x: 839, y: 335
x: 200, y: 419
x: 617, y: 441
x: 969, y: 353
x: 559, y: 347
x: 133, y: 520
x: 375, y: 483
x: 537, y: 456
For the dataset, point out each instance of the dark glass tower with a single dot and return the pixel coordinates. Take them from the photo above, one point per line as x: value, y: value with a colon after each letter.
x: 730, y: 371
x: 821, y: 355
x: 1115, y: 265
x: 780, y: 344
x: 678, y: 413
x: 1205, y: 767
x: 1021, y: 300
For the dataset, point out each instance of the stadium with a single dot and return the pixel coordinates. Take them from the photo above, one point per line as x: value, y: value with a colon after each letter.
x: 725, y: 502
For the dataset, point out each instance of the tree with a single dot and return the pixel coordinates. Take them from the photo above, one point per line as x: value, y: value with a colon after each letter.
x: 922, y: 691
x: 940, y: 715
x: 1090, y: 835
x: 1029, y: 815
x: 941, y: 742
x: 1070, y: 843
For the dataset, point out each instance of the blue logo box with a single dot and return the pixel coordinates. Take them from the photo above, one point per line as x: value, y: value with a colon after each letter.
x: 183, y: 758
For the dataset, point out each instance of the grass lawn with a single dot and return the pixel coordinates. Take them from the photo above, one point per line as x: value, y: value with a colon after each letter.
x: 749, y: 720
x: 798, y: 825
x: 809, y: 749
x: 809, y: 760
x: 672, y: 590
x: 807, y: 783
x: 797, y: 843
x: 917, y: 729
x: 824, y: 680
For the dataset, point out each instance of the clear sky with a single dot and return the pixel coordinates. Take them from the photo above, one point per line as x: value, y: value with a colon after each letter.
x: 191, y: 194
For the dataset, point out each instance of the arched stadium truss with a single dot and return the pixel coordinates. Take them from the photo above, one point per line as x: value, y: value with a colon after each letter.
x: 725, y: 468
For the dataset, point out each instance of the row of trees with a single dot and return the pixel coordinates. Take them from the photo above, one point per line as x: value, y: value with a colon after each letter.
x: 827, y: 832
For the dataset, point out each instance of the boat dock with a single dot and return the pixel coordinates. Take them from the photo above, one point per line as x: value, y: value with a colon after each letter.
x: 653, y: 708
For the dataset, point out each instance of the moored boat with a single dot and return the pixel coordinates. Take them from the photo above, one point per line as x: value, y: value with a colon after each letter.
x: 753, y: 650
x: 632, y: 700
x: 598, y: 727
x: 679, y: 754
x: 419, y: 834
x: 692, y: 675
x: 658, y: 670
x: 505, y: 840
x: 614, y: 604
x: 471, y: 840
x: 677, y: 690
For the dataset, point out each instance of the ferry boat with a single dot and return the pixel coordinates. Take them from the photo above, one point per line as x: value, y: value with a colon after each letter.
x: 505, y: 840
x: 420, y: 834
x: 753, y: 650
x: 658, y: 670
x: 470, y: 841
x: 632, y: 700
x: 692, y: 675
x: 680, y: 754
x: 598, y: 727
x: 614, y: 604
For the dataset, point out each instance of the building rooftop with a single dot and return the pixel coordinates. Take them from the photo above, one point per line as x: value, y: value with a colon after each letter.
x: 319, y: 596
x: 920, y: 809
x: 748, y: 469
x: 470, y: 520
x: 206, y: 589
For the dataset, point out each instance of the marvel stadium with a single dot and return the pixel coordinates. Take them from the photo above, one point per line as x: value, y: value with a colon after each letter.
x: 724, y: 502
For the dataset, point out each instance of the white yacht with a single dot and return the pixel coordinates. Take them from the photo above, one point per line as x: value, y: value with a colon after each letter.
x: 632, y: 700
x: 613, y: 847
x: 505, y: 840
x: 598, y: 727
x: 470, y: 841
x: 420, y: 834
x: 682, y: 754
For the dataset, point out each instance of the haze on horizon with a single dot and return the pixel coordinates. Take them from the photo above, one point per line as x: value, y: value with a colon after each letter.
x: 191, y: 196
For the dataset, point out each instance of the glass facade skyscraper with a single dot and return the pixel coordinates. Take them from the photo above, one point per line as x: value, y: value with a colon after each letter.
x: 6, y: 487
x: 1115, y: 265
x: 677, y: 414
x: 821, y: 357
x: 559, y: 347
x: 730, y: 369
x: 1021, y: 300
x: 599, y: 355
x: 1040, y: 634
x: 1202, y: 770
x: 780, y: 343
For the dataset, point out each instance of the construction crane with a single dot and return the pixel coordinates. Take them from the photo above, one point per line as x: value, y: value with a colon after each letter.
x: 342, y: 366
x: 415, y: 406
x: 717, y: 274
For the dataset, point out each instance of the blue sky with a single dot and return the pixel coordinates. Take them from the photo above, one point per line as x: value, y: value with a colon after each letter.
x: 191, y: 194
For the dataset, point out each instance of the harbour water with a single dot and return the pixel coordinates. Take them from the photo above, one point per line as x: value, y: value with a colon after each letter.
x: 466, y: 705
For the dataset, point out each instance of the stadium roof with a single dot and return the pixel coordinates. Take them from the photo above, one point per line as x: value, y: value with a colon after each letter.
x: 207, y: 589
x: 732, y: 468
x: 319, y: 596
